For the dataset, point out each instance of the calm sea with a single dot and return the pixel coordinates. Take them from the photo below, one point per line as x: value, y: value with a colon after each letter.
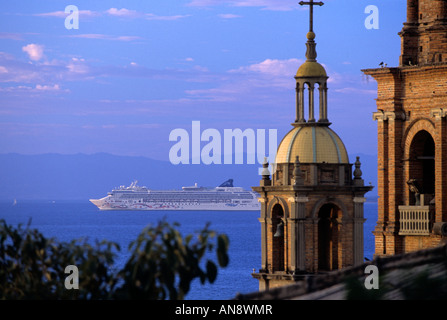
x: 67, y: 221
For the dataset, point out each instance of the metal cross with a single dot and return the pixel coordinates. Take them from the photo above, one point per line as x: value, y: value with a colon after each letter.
x: 311, y: 4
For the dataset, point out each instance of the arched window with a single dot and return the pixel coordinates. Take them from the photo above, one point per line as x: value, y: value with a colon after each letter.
x: 329, y: 247
x: 306, y: 101
x: 422, y: 163
x: 278, y: 231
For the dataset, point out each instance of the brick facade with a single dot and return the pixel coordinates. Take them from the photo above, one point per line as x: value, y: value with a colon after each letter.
x: 411, y: 117
x: 424, y: 37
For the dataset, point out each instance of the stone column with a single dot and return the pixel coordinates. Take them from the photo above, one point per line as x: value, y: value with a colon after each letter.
x: 325, y: 117
x: 359, y: 220
x: 440, y: 139
x: 298, y: 111
x: 382, y: 175
x: 297, y: 244
x: 311, y: 103
x: 321, y: 100
x: 395, y: 155
x: 301, y: 103
x: 264, y: 225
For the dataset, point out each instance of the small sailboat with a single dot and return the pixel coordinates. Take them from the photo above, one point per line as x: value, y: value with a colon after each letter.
x: 14, y: 202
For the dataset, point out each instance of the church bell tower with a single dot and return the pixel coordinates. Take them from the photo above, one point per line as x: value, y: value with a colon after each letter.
x: 312, y: 201
x: 412, y: 135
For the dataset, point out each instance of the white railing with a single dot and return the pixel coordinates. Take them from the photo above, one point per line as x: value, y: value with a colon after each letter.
x: 414, y: 220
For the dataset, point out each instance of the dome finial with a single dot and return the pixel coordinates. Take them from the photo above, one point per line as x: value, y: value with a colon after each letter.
x: 265, y: 171
x: 358, y: 181
x: 311, y: 53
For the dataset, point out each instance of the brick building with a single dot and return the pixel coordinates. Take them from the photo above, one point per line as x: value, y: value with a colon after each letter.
x: 412, y: 135
x: 312, y: 205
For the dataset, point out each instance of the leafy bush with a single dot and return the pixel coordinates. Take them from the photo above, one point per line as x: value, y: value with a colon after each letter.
x: 162, y: 264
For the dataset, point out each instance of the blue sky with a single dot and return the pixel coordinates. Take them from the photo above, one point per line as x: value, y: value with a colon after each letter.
x: 136, y: 70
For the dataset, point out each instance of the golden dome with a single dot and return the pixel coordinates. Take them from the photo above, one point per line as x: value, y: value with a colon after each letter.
x: 311, y: 69
x: 313, y: 144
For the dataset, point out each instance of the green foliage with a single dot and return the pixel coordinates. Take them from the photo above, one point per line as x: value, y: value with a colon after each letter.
x: 33, y: 267
x: 162, y: 264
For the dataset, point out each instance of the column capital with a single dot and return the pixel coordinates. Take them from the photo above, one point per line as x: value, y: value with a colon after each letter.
x: 299, y: 199
x: 378, y: 116
x: 359, y: 199
x: 389, y: 115
x: 438, y: 113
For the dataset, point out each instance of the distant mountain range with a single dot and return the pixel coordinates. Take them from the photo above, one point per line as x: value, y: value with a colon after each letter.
x: 82, y: 177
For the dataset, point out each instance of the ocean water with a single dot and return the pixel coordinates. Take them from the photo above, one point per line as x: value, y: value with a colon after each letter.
x: 69, y: 220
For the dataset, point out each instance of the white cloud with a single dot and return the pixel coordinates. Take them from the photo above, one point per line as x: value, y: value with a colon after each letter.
x: 246, y: 82
x: 229, y: 16
x: 34, y: 51
x: 127, y: 13
x: 272, y: 67
x: 78, y: 66
x: 126, y: 38
x: 123, y: 12
x: 63, y: 14
x: 15, y: 89
x: 55, y: 87
x: 114, y: 12
x: 38, y: 89
x: 77, y: 69
x: 99, y: 36
x: 151, y: 16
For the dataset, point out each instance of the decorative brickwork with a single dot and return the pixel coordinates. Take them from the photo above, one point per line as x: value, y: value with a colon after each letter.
x: 424, y: 37
x: 412, y: 137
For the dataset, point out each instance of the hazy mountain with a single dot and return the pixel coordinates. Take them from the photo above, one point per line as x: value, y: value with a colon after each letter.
x: 80, y: 176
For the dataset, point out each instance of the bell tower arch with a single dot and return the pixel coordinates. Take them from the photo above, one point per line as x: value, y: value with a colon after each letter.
x: 329, y: 244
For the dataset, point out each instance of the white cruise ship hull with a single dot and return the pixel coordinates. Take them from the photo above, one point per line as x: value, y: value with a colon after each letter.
x: 174, y: 206
x: 222, y: 198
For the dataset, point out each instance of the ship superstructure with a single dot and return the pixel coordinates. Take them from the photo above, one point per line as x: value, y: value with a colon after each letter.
x: 223, y: 197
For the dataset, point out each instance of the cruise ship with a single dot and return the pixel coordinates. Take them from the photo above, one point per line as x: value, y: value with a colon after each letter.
x: 224, y: 197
